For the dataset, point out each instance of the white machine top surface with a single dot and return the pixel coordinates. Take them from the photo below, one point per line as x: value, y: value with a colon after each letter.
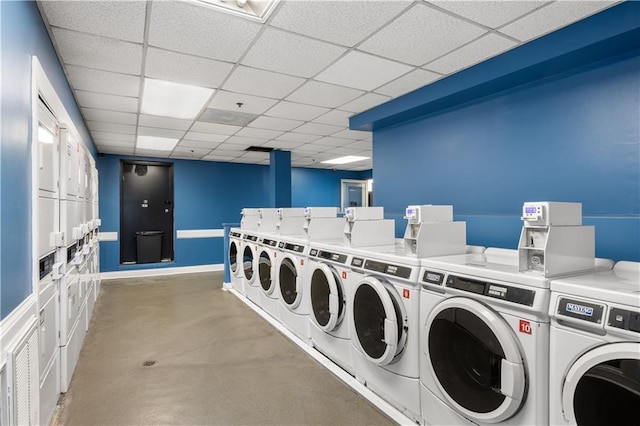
x: 389, y: 253
x: 619, y: 285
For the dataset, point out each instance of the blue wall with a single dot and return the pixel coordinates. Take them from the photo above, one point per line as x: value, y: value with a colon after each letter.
x: 319, y: 187
x: 208, y: 194
x: 573, y: 137
x: 23, y: 35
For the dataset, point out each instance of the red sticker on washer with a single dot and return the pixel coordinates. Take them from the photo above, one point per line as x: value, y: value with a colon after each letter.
x: 301, y: 262
x: 406, y: 293
x: 344, y: 275
x: 525, y: 327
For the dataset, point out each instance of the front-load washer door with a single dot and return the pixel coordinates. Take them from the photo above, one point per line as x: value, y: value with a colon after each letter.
x: 233, y: 258
x: 327, y: 298
x: 475, y: 359
x: 247, y: 262
x: 603, y: 386
x: 379, y: 321
x: 290, y: 281
x: 265, y: 272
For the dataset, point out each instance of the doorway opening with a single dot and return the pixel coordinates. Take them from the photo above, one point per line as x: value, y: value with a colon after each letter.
x: 353, y: 193
x: 146, y: 212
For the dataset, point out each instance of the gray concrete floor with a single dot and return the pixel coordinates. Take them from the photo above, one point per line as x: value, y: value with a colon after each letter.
x: 216, y: 362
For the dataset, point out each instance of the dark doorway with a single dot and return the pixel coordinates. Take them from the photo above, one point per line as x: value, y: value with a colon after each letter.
x: 146, y: 212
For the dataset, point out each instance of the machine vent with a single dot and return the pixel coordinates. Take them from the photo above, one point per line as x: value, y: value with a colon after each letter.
x: 259, y: 149
x: 23, y: 379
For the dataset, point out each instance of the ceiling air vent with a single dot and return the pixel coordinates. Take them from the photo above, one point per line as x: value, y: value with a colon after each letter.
x: 222, y: 116
x: 259, y: 149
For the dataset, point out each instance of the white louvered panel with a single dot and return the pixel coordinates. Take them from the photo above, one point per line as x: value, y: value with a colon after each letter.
x: 25, y: 390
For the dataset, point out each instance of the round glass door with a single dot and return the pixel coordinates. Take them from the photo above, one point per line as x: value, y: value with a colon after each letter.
x: 264, y: 272
x: 327, y: 297
x: 603, y: 386
x: 290, y: 283
x: 378, y: 321
x: 233, y: 257
x: 247, y: 262
x: 475, y: 359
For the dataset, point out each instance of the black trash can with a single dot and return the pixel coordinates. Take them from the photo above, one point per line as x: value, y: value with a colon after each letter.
x: 149, y: 246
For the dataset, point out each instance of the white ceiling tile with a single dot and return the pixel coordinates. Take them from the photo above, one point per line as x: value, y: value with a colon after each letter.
x: 362, y: 71
x: 110, y: 83
x: 255, y: 155
x: 109, y: 116
x: 323, y: 94
x: 98, y: 52
x: 296, y: 111
x: 161, y: 133
x: 208, y: 137
x: 288, y: 53
x: 199, y: 30
x: 116, y: 150
x: 189, y: 153
x: 214, y: 157
x: 333, y: 142
x: 275, y: 123
x: 283, y: 145
x: 164, y: 122
x: 117, y: 19
x: 243, y: 160
x: 408, y: 83
x: 552, y: 17
x: 341, y: 22
x: 341, y: 151
x: 226, y: 151
x: 99, y: 126
x: 109, y: 136
x: 189, y: 143
x: 318, y: 129
x: 490, y: 13
x: 250, y: 104
x: 303, y: 162
x: 114, y: 143
x: 335, y: 117
x: 151, y: 153
x: 108, y: 102
x: 297, y: 137
x: 483, y: 48
x: 360, y: 145
x: 259, y: 133
x: 219, y: 129
x: 365, y: 102
x: 421, y: 35
x: 186, y: 69
x: 261, y: 83
x: 311, y: 149
x: 244, y: 141
x: 352, y: 134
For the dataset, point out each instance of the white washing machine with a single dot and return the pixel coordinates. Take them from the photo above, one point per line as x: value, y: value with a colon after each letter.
x: 291, y: 278
x: 234, y: 255
x: 385, y: 326
x: 248, y: 255
x: 329, y: 301
x: 485, y: 341
x: 267, y: 263
x: 263, y: 260
x: 595, y: 347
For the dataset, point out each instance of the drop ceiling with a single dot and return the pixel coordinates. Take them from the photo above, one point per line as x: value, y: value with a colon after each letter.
x: 289, y: 83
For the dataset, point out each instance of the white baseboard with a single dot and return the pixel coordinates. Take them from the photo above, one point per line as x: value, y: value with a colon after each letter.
x: 137, y: 273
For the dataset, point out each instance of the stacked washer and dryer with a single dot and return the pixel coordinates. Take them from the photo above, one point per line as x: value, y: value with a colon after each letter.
x: 248, y: 223
x: 485, y: 342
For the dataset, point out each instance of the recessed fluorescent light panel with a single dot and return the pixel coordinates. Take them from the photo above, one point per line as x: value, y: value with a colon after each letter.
x: 176, y: 100
x: 157, y: 144
x: 255, y: 10
x: 346, y: 159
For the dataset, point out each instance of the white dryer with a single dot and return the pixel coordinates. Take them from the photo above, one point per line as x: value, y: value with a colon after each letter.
x: 291, y: 276
x: 595, y: 347
x: 234, y: 256
x: 485, y: 341
x: 249, y: 255
x: 267, y: 261
x: 329, y: 300
x: 385, y: 326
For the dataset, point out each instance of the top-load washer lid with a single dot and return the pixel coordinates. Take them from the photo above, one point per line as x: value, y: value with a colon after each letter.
x: 233, y: 258
x: 327, y: 297
x: 475, y: 359
x: 603, y: 386
x: 379, y: 320
x: 247, y: 263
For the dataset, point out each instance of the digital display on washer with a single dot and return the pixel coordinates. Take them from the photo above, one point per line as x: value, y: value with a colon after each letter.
x: 46, y: 265
x: 252, y: 237
x: 269, y: 242
x: 334, y: 257
x: 313, y: 252
x: 494, y: 290
x: 433, y: 277
x: 71, y: 252
x: 389, y: 269
x: 624, y: 319
x: 294, y: 247
x: 579, y: 309
x: 357, y: 262
x: 235, y: 234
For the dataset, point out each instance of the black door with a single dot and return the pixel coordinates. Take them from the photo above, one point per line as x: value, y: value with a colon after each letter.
x: 146, y: 207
